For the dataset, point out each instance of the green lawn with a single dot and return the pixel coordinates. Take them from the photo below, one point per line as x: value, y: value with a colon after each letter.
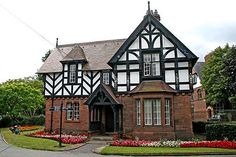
x: 158, y: 151
x: 31, y: 142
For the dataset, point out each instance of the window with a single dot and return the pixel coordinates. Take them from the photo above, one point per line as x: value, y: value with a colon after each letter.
x: 138, y: 112
x: 167, y: 111
x: 151, y: 64
x: 157, y: 111
x: 152, y: 112
x: 105, y: 78
x: 72, y: 73
x: 72, y: 114
x: 147, y: 112
x: 199, y: 94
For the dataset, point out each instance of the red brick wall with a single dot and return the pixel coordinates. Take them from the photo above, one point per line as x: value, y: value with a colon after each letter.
x: 68, y: 125
x: 183, y: 116
x: 181, y: 121
x: 199, y: 105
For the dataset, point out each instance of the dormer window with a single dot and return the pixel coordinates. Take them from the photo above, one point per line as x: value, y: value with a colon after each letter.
x: 72, y: 73
x: 105, y: 78
x: 151, y: 63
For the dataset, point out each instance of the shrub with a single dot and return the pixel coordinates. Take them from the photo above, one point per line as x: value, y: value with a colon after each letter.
x: 199, y: 127
x: 221, y: 132
x: 6, y: 121
x: 36, y: 120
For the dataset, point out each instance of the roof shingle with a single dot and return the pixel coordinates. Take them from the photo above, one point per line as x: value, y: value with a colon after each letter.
x: 96, y: 53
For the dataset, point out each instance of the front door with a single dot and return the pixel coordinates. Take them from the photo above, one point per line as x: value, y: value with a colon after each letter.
x: 109, y: 119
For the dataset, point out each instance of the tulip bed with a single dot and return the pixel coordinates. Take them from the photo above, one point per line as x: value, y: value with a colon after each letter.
x: 67, y: 139
x: 182, y: 144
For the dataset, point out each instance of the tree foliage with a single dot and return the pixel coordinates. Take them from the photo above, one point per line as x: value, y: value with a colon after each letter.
x: 216, y: 75
x: 230, y: 73
x: 21, y: 98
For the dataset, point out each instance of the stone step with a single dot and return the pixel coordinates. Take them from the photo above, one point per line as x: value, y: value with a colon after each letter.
x: 102, y: 138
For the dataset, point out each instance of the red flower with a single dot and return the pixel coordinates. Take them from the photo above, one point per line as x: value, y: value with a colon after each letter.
x: 211, y: 144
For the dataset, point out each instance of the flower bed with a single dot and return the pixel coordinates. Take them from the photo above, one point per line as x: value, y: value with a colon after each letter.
x: 67, y: 139
x: 182, y: 144
x: 29, y: 128
x: 211, y: 144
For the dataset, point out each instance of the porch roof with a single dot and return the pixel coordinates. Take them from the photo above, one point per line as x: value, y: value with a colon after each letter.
x: 102, y: 95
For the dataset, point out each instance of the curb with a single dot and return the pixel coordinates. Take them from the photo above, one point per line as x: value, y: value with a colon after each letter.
x: 4, y: 139
x: 98, y: 151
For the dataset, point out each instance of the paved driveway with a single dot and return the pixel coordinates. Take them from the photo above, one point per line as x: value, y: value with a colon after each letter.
x: 84, y: 151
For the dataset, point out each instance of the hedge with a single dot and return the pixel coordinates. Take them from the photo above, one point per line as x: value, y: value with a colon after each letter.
x: 6, y: 121
x: 199, y: 127
x: 221, y: 132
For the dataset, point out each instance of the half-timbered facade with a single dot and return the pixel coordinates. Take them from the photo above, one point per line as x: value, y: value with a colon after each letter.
x: 138, y: 86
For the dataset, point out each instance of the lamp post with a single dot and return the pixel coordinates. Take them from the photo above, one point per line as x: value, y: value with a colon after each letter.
x: 61, y: 109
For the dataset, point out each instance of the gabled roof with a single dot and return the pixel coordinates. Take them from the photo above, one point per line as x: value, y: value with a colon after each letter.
x: 76, y: 54
x: 96, y: 53
x: 153, y: 87
x: 149, y: 18
x: 103, y: 94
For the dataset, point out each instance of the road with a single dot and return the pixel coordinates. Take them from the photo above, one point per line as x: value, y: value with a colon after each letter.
x: 84, y: 151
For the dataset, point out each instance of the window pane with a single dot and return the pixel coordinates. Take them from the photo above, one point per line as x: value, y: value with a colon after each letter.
x: 106, y: 78
x: 147, y: 112
x: 76, y: 111
x: 155, y: 57
x: 155, y: 69
x: 147, y: 69
x: 167, y: 112
x: 157, y: 111
x: 147, y: 58
x: 138, y: 112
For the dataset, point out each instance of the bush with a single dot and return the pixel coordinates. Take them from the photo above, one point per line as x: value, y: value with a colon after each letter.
x: 6, y: 121
x: 36, y: 120
x: 199, y: 127
x: 221, y: 132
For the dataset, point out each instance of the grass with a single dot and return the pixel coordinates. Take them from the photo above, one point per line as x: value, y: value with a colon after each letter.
x: 159, y: 151
x: 31, y: 142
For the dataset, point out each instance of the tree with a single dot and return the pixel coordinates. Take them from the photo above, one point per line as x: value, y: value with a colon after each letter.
x: 230, y: 73
x: 21, y: 98
x: 213, y: 80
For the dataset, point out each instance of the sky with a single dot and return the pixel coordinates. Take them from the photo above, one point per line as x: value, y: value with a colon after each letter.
x: 29, y: 28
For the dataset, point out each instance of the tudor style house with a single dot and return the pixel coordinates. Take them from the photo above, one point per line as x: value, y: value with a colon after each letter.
x: 137, y: 87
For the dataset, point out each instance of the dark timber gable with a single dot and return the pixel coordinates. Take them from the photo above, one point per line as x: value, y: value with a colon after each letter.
x: 152, y: 37
x: 147, y: 21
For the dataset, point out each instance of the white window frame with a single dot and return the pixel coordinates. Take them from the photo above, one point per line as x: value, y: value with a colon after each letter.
x: 147, y: 112
x: 69, y: 113
x: 105, y: 78
x: 72, y: 73
x: 156, y: 111
x: 74, y: 113
x: 138, y: 112
x: 167, y: 111
x: 151, y: 64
